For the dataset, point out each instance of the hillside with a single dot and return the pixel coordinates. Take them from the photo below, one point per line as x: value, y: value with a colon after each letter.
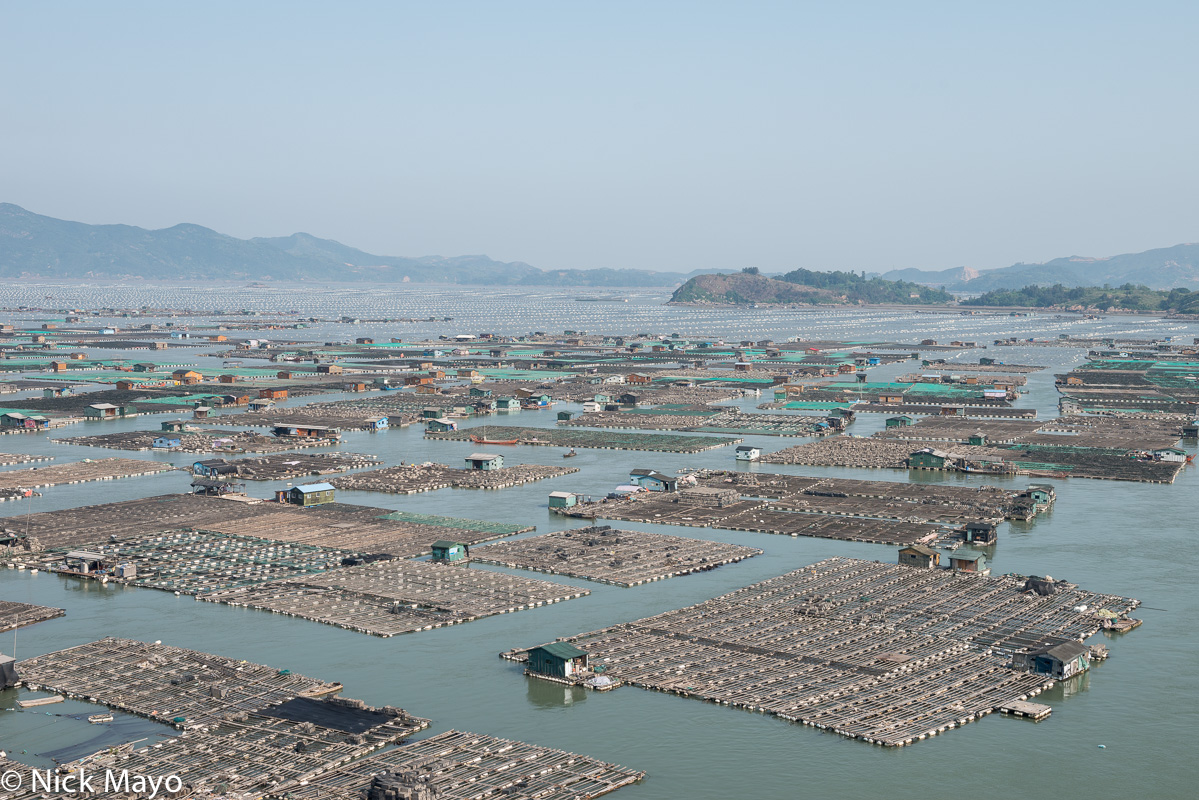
x: 1129, y: 296
x: 803, y: 287
x: 1161, y: 268
x: 33, y: 245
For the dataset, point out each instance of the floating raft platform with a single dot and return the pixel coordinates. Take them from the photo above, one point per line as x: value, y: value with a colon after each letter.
x: 591, y: 439
x: 387, y: 598
x: 617, y: 557
x: 887, y: 654
x: 17, y: 615
x: 106, y: 469
x: 165, y: 683
x: 416, y: 478
x: 339, y: 526
x: 458, y: 765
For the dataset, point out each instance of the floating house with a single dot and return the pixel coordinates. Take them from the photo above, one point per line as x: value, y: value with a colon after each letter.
x: 557, y: 660
x: 213, y: 467
x: 747, y: 452
x: 104, y: 411
x: 167, y: 442
x: 311, y: 494
x: 444, y: 550
x: 981, y: 532
x: 563, y: 499
x: 901, y: 421
x: 968, y: 562
x: 441, y: 425
x: 187, y: 376
x: 484, y: 461
x: 1060, y: 658
x: 653, y: 481
x: 303, y: 431
x: 919, y: 556
x: 15, y: 419
x: 930, y: 458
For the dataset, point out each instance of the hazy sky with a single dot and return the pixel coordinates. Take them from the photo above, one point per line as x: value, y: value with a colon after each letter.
x: 644, y: 134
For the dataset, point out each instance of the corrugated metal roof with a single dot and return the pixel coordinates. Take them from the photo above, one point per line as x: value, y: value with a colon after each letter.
x: 564, y: 650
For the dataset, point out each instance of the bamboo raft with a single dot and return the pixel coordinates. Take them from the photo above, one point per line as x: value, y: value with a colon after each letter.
x: 889, y: 655
x: 617, y: 557
x: 388, y: 598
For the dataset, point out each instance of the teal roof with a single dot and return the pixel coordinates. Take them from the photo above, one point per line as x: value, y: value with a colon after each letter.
x: 564, y: 650
x: 443, y: 544
x: 315, y: 487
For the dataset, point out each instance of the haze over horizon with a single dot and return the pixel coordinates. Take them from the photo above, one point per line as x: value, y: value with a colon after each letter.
x: 671, y: 136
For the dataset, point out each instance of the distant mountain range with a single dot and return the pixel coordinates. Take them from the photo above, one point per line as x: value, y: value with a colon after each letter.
x: 1163, y: 268
x: 37, y: 246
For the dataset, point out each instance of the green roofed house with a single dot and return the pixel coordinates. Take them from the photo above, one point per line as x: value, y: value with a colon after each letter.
x: 901, y: 421
x: 557, y: 660
x: 444, y: 550
x: 930, y: 458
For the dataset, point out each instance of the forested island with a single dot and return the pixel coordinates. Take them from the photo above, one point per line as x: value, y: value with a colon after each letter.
x: 802, y: 286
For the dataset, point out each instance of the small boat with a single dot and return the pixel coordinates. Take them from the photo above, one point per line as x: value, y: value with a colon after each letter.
x: 571, y: 454
x: 481, y: 440
x: 97, y: 718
